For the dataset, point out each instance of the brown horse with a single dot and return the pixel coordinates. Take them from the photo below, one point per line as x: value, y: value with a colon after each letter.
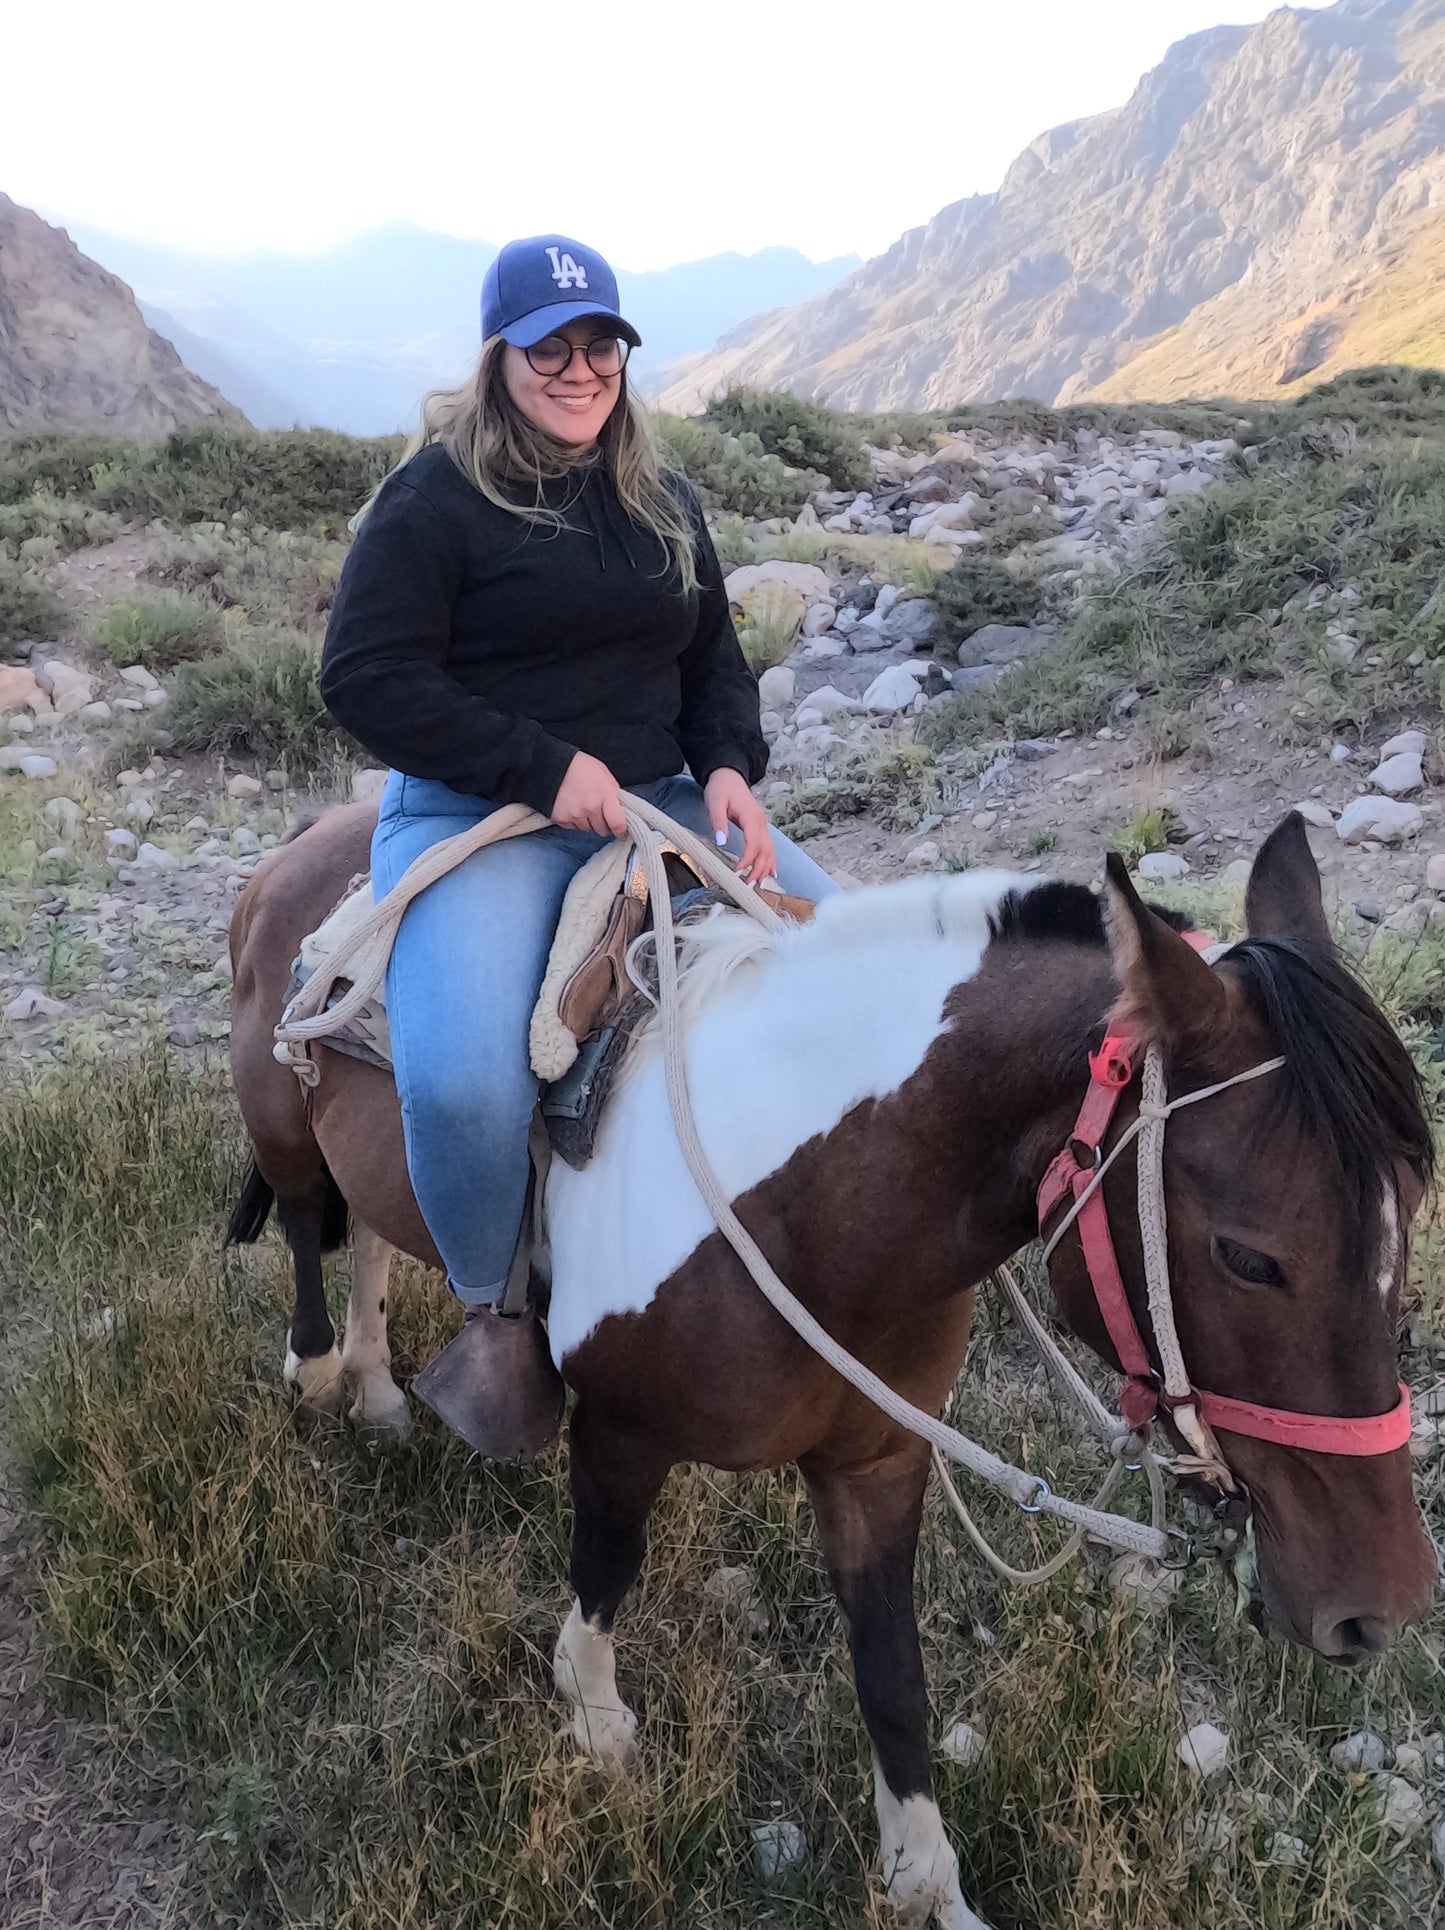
x: 881, y: 1093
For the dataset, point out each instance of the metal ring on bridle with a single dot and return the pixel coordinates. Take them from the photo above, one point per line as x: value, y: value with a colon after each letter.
x: 1042, y: 1492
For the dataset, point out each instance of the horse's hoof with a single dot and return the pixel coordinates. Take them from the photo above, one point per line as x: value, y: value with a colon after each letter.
x: 381, y: 1413
x: 319, y: 1383
x: 608, y: 1736
x: 495, y: 1386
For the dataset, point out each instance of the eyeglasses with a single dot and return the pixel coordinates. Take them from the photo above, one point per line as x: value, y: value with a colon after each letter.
x: 606, y: 355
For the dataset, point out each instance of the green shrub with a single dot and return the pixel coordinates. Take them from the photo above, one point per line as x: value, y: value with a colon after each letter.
x: 276, y: 577
x: 768, y: 636
x: 980, y: 589
x: 797, y: 432
x: 734, y: 472
x: 44, y: 523
x: 259, y: 697
x: 158, y: 631
x: 29, y: 608
x: 287, y: 479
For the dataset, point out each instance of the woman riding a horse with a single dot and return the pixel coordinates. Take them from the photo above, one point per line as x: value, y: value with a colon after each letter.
x: 532, y: 612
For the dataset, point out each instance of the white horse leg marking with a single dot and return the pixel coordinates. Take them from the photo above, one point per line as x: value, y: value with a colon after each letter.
x: 319, y: 1382
x: 586, y: 1673
x: 380, y: 1407
x: 920, y: 1870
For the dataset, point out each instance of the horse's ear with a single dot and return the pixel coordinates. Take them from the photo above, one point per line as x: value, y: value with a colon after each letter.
x: 1282, y: 899
x: 1169, y: 995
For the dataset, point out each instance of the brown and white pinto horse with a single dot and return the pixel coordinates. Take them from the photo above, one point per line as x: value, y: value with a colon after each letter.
x: 881, y: 1093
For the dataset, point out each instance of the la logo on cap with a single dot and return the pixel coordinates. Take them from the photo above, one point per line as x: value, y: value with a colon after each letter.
x: 565, y: 271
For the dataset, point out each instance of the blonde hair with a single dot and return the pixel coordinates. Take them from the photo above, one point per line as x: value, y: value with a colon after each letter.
x: 509, y: 459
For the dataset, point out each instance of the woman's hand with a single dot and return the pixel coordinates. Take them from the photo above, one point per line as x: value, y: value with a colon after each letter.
x: 590, y: 799
x: 729, y: 801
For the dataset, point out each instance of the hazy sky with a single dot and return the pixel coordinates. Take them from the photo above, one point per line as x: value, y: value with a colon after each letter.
x: 657, y: 130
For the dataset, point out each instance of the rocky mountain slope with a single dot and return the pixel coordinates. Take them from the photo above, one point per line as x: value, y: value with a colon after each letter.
x: 1269, y: 206
x: 75, y: 352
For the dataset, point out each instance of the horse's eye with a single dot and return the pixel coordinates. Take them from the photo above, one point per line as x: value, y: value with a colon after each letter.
x: 1245, y: 1263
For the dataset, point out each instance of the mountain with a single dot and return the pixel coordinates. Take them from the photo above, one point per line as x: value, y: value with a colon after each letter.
x: 1269, y: 206
x: 353, y: 338
x: 75, y: 351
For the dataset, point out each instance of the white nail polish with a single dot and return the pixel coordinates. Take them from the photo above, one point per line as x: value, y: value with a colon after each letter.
x: 721, y: 836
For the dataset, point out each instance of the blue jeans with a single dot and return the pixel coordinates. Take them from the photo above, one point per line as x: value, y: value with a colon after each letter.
x: 464, y: 975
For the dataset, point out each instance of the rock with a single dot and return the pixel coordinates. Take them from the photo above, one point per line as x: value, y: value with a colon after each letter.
x: 367, y: 786
x: 1285, y: 1850
x: 20, y: 690
x: 829, y: 702
x: 737, y: 1589
x: 1437, y: 1843
x: 819, y: 617
x: 1410, y: 1762
x: 867, y: 634
x: 21, y: 723
x: 1381, y: 818
x: 778, y: 1849
x: 1313, y: 812
x: 847, y: 620
x: 275, y: 780
x: 1435, y: 872
x: 1032, y: 750
x: 1340, y: 753
x: 965, y: 1745
x: 776, y: 687
x: 892, y: 690
x: 138, y: 677
x: 1362, y: 1752
x: 1403, y: 1808
x: 65, y: 814
x: 245, y: 842
x: 911, y: 622
x: 1407, y: 743
x: 122, y: 841
x: 185, y: 1032
x: 805, y: 580
x: 1204, y: 1749
x: 999, y: 643
x: 37, y: 766
x: 979, y: 676
x: 1185, y: 482
x: 923, y: 857
x: 1371, y: 911
x: 151, y: 857
x: 70, y: 689
x: 243, y: 786
x: 31, y: 1003
x: 984, y: 820
x: 1410, y: 919
x: 1162, y: 864
x: 128, y: 704
x: 1399, y: 775
x: 139, y: 809
x: 97, y: 713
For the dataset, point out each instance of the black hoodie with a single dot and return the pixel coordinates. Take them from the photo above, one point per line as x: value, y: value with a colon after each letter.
x: 470, y: 645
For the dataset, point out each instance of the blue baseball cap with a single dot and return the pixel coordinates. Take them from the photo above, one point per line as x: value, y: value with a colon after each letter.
x: 537, y: 286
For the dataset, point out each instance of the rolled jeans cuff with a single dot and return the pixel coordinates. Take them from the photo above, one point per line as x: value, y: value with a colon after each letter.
x: 472, y: 1297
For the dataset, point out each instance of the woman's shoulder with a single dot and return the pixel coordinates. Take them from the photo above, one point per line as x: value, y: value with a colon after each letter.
x: 431, y: 473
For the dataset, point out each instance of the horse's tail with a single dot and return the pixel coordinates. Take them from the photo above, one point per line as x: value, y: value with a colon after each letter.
x: 252, y: 1209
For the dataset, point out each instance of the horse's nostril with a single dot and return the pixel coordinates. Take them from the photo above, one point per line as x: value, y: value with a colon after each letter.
x: 1349, y: 1638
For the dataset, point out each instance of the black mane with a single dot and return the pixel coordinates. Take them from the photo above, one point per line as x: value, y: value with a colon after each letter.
x: 1347, y: 1080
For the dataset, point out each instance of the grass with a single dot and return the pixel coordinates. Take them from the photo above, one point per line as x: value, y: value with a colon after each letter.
x: 158, y: 631
x: 267, y: 576
x: 335, y: 1668
x: 29, y: 608
x: 1135, y: 837
x: 768, y: 632
x: 259, y: 698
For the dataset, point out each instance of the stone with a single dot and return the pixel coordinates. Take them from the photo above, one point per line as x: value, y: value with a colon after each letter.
x: 1382, y: 818
x: 243, y: 786
x: 1285, y: 1850
x: 1313, y: 812
x: 139, y: 809
x: 984, y: 820
x: 138, y: 677
x: 868, y: 635
x: 122, y: 841
x: 1362, y: 1752
x: 1410, y: 919
x: 96, y: 713
x: 32, y: 1003
x: 245, y: 842
x: 1371, y: 911
x: 1399, y: 775
x: 1204, y: 1749
x: 1406, y: 743
x: 805, y: 580
x: 1185, y: 482
x: 21, y: 723
x: 70, y: 689
x: 1410, y: 1762
x: 923, y: 857
x: 20, y: 690
x: 829, y: 702
x: 1403, y: 1809
x: 367, y: 786
x: 65, y: 814
x: 1435, y: 872
x: 35, y: 765
x: 151, y: 857
x: 778, y: 1849
x: 1162, y: 865
x: 128, y: 704
x: 1000, y: 643
x: 1437, y: 1843
x: 275, y: 780
x: 979, y: 676
x: 776, y: 687
x: 911, y: 622
x: 965, y: 1745
x: 737, y: 1589
x: 819, y: 617
x: 892, y: 690
x: 1340, y: 753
